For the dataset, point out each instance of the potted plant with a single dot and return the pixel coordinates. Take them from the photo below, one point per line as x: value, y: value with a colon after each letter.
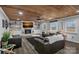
x: 6, y: 36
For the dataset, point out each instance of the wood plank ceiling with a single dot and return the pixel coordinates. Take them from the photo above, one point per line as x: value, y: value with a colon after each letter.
x: 45, y: 12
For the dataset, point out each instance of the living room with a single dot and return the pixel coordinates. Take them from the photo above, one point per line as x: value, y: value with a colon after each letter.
x: 39, y: 29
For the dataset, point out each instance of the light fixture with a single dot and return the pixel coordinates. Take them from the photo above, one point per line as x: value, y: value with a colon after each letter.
x: 38, y: 18
x: 50, y: 18
x: 20, y: 13
x: 77, y: 11
x: 18, y: 18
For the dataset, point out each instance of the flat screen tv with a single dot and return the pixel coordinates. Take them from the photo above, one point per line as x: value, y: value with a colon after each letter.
x: 27, y: 24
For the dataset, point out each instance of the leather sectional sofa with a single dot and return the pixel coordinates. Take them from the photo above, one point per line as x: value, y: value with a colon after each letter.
x: 42, y: 46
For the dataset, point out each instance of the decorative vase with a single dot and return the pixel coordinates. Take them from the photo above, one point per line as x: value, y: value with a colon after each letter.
x: 4, y: 44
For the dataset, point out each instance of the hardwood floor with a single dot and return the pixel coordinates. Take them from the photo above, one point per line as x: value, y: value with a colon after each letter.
x: 73, y: 46
x: 26, y: 48
x: 70, y: 48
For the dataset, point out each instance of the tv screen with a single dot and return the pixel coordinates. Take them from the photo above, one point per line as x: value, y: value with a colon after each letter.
x: 27, y: 24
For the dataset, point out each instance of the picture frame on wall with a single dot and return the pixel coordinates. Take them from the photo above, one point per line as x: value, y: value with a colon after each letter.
x: 5, y: 24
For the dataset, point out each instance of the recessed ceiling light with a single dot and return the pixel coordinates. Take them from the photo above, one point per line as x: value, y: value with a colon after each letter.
x: 18, y: 18
x: 20, y: 13
x: 49, y: 18
x: 77, y: 11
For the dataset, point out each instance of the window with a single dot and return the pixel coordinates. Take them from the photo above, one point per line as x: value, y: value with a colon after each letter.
x: 54, y: 26
x: 71, y: 26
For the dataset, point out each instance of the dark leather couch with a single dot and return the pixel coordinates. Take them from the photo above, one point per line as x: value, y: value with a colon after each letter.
x: 42, y: 48
x: 16, y: 40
